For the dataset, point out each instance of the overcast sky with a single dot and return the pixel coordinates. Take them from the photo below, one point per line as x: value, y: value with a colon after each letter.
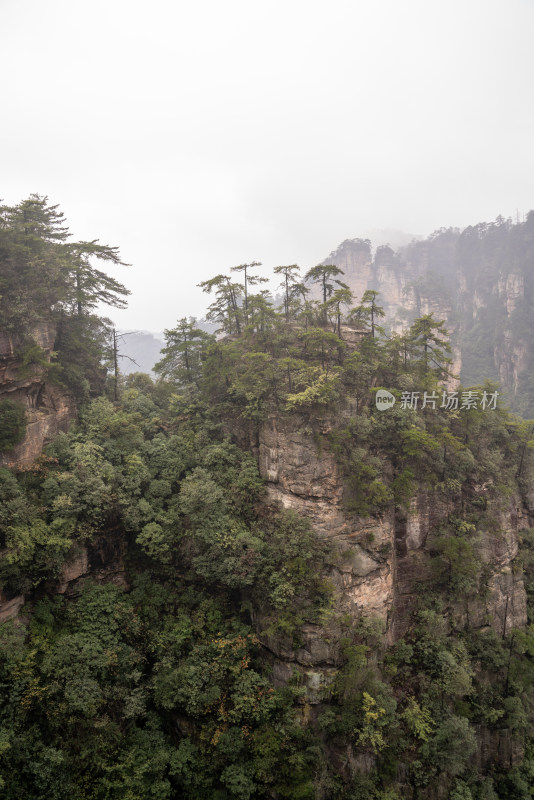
x: 199, y: 135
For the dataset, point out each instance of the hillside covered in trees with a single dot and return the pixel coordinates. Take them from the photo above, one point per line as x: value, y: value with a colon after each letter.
x: 479, y: 280
x: 244, y: 579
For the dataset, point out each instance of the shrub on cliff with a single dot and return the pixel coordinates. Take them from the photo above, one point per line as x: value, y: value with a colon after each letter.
x: 12, y: 424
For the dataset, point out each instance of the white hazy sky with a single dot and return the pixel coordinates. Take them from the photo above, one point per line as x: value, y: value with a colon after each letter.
x: 199, y: 135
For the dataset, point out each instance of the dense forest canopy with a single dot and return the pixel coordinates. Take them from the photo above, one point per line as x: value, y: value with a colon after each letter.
x: 154, y: 675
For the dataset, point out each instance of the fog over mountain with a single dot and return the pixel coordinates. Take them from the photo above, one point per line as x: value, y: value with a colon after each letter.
x: 296, y: 562
x: 203, y: 135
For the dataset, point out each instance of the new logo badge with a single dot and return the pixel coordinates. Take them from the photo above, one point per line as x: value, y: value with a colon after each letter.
x: 384, y: 399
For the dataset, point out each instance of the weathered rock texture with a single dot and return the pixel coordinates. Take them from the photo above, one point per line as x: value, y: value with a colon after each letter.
x: 480, y: 281
x: 101, y: 560
x: 379, y: 564
x: 502, y: 603
x: 302, y: 474
x: 10, y: 608
x: 401, y: 278
x: 49, y: 408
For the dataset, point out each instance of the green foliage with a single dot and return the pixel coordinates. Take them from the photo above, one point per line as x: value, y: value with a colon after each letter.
x: 33, y: 552
x: 457, y: 562
x: 183, y: 352
x: 418, y: 720
x: 451, y: 746
x: 370, y: 735
x: 168, y: 684
x: 12, y: 424
x: 321, y: 392
x: 288, y: 285
x: 100, y: 677
x: 428, y: 342
x: 324, y: 276
x: 226, y: 309
x: 46, y: 278
x: 368, y: 311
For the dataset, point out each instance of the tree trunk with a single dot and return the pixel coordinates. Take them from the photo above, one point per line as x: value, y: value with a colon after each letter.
x: 115, y: 367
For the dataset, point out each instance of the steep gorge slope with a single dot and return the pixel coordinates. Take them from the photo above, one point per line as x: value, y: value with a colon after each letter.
x: 382, y: 562
x: 249, y: 581
x: 148, y: 515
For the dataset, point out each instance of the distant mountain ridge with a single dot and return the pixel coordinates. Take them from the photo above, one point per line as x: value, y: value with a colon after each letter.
x: 143, y: 347
x: 480, y: 280
x: 141, y: 350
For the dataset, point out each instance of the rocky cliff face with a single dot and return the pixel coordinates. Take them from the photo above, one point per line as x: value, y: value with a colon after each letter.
x: 49, y: 409
x: 302, y: 474
x: 378, y: 568
x: 379, y: 563
x: 401, y: 278
x: 480, y: 281
x: 501, y: 605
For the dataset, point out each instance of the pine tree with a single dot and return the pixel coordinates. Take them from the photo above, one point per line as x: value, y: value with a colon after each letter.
x: 368, y: 311
x: 250, y: 280
x: 288, y: 284
x: 183, y: 351
x: 33, y: 268
x: 428, y: 342
x: 341, y: 297
x: 226, y: 309
x: 45, y: 278
x: 261, y: 312
x: 324, y: 275
x: 43, y: 275
x: 90, y: 286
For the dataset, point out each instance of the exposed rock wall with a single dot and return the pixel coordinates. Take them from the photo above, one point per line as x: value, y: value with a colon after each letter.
x: 400, y: 279
x: 379, y: 564
x: 378, y: 569
x: 480, y: 281
x: 102, y: 560
x: 502, y: 605
x: 49, y: 408
x: 302, y: 474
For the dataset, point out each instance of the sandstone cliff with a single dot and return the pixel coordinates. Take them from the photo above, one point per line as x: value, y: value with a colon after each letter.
x: 49, y: 408
x: 378, y: 568
x: 380, y: 563
x: 480, y: 281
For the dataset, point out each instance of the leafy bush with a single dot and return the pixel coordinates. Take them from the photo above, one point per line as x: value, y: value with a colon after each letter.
x: 12, y: 424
